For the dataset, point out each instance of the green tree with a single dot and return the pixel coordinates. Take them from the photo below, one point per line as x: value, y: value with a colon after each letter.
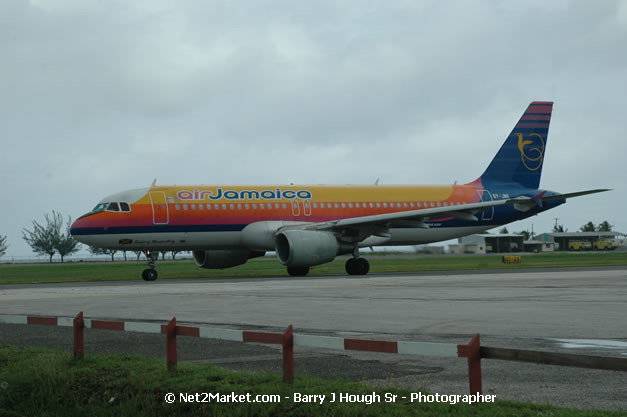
x: 504, y: 231
x: 45, y: 239
x: 3, y: 245
x: 588, y: 227
x: 559, y: 228
x: 525, y: 233
x: 604, y: 226
x: 66, y: 244
x: 102, y: 251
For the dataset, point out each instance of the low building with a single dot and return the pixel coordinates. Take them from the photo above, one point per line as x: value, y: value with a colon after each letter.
x: 501, y: 243
x: 466, y: 249
x: 578, y: 241
x: 538, y: 246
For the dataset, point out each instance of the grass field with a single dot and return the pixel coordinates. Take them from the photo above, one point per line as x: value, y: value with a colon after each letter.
x: 45, y: 382
x: 269, y: 266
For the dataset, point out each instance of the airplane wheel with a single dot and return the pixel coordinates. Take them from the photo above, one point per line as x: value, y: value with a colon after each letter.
x: 149, y: 274
x: 350, y: 267
x: 357, y: 266
x: 362, y: 266
x: 298, y: 271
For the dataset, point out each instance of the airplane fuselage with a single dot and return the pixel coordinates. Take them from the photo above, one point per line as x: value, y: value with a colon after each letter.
x: 219, y: 217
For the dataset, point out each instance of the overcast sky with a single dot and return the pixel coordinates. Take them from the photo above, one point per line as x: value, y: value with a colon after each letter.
x: 101, y: 96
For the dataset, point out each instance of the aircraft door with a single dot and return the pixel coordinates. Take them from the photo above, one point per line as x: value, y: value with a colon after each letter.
x: 160, y: 212
x: 295, y: 208
x: 307, y: 207
x: 484, y: 195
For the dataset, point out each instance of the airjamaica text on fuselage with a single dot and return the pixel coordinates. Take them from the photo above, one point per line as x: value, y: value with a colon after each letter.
x: 219, y: 193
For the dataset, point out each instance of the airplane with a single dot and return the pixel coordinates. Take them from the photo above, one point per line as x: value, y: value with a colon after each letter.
x: 307, y: 225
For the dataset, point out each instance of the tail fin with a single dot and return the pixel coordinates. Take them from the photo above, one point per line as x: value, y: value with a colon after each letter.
x: 520, y: 158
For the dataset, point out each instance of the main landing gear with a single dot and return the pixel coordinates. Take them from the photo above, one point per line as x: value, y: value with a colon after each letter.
x: 298, y: 271
x: 357, y: 265
x: 150, y: 274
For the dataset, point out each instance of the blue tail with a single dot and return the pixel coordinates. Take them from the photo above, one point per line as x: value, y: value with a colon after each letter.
x: 520, y: 159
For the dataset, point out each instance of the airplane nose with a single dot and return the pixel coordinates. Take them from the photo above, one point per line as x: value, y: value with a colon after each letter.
x: 78, y: 229
x: 74, y: 227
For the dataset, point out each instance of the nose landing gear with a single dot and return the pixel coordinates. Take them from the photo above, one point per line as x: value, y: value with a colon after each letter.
x: 150, y: 274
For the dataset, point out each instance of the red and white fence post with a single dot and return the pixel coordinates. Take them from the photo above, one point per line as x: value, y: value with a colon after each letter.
x: 78, y: 325
x: 171, y: 344
x: 288, y: 355
x: 472, y: 351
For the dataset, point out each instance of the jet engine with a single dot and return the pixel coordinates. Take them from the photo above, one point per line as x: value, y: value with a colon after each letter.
x: 304, y: 248
x: 220, y: 259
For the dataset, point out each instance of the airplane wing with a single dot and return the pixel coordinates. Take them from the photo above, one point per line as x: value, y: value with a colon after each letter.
x: 360, y: 228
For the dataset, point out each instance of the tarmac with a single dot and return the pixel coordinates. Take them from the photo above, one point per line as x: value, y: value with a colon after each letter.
x: 579, y: 310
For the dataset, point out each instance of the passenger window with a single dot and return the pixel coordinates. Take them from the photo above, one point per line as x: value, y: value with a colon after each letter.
x: 276, y: 206
x: 385, y: 205
x: 418, y: 204
x: 350, y: 205
x: 113, y: 207
x: 125, y: 207
x: 405, y: 204
x: 247, y: 206
x: 315, y: 205
x: 239, y: 206
x: 193, y: 206
x: 284, y: 205
x: 378, y: 205
x: 343, y: 205
x: 411, y: 204
x: 371, y: 205
x: 223, y: 206
x: 232, y: 207
x: 208, y: 206
x: 185, y: 206
x: 254, y: 206
x: 201, y: 206
x: 337, y: 205
x: 439, y: 204
x: 177, y: 206
x: 216, y: 206
x: 262, y: 206
x: 357, y: 205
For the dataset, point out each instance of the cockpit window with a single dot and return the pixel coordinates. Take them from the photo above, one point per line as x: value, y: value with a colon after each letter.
x: 124, y: 207
x: 113, y: 207
x: 100, y: 207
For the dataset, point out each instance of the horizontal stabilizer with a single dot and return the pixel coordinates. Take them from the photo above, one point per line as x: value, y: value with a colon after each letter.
x: 577, y: 194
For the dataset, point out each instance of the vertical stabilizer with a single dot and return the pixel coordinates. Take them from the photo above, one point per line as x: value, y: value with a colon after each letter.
x: 521, y: 157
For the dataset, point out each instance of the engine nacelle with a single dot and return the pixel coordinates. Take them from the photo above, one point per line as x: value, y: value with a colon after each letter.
x: 301, y: 248
x: 220, y: 259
